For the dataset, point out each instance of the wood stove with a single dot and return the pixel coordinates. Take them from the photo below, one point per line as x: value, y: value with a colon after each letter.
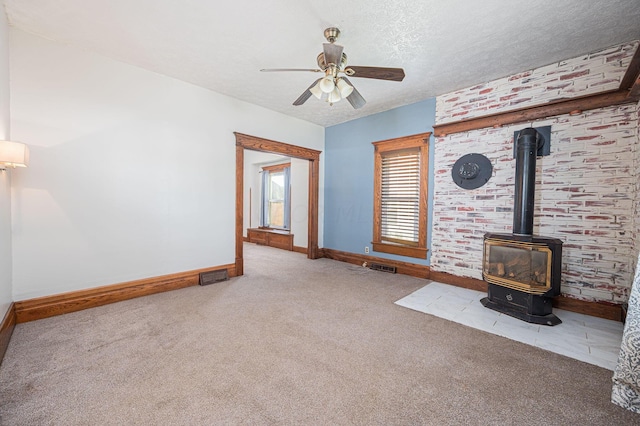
x: 523, y: 271
x: 523, y: 276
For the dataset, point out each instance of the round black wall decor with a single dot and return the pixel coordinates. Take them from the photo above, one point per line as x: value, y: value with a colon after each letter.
x: 471, y: 171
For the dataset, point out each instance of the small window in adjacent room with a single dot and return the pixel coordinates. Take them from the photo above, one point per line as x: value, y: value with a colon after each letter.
x: 275, y: 197
x: 400, y: 196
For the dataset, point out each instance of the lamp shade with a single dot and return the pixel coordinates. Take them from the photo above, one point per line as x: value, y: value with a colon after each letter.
x: 315, y: 90
x: 334, y: 96
x: 14, y: 154
x: 327, y: 85
x: 344, y: 87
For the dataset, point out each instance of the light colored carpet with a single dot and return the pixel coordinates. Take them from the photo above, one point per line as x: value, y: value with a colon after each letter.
x: 294, y: 341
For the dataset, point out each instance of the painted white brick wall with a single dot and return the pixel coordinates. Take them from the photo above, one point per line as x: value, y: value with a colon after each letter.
x: 586, y: 194
x: 636, y: 166
x: 588, y: 74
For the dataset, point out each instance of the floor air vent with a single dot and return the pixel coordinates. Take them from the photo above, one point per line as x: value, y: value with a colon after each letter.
x: 213, y: 277
x: 383, y: 268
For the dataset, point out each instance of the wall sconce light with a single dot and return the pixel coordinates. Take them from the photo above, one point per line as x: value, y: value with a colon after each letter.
x: 13, y: 154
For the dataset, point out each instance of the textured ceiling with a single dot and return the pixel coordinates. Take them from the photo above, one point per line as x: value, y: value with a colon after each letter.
x: 442, y: 45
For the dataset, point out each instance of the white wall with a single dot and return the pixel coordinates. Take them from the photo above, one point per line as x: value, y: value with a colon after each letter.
x: 131, y: 172
x: 5, y: 176
x: 300, y: 202
x: 253, y: 162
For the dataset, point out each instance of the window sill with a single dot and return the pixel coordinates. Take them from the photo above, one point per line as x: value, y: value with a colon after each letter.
x: 417, y: 252
x: 274, y: 230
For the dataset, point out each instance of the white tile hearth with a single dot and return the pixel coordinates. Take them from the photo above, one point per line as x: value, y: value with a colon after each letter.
x: 582, y: 337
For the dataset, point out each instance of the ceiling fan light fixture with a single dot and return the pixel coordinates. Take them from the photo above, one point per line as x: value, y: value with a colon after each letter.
x: 316, y: 91
x: 332, y: 62
x: 326, y: 84
x: 345, y: 88
x: 334, y: 96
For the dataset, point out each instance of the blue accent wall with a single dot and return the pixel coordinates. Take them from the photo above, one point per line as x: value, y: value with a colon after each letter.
x: 348, y: 203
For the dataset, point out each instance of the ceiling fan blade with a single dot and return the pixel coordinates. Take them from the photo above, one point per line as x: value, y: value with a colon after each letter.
x: 288, y: 69
x: 355, y: 98
x: 332, y: 53
x: 393, y: 74
x: 305, y: 95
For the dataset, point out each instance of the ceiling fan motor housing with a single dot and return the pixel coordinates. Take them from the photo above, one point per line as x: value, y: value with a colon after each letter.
x: 323, y: 64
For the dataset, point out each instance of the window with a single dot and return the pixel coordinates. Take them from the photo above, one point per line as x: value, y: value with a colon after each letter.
x: 400, y: 196
x: 275, y: 197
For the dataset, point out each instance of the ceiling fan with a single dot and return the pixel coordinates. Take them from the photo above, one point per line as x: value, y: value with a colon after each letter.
x: 333, y: 62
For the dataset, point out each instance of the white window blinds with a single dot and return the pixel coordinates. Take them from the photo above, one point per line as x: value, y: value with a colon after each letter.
x: 400, y: 196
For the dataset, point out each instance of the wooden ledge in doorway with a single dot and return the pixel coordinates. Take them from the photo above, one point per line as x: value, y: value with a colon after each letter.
x: 271, y: 237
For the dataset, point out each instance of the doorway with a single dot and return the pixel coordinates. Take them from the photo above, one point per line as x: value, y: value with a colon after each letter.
x: 265, y: 145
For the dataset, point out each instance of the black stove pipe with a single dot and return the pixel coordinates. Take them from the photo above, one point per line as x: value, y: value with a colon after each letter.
x: 525, y: 185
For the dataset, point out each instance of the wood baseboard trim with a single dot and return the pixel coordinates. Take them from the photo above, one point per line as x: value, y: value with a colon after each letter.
x: 405, y: 268
x: 299, y: 249
x: 58, y: 304
x: 6, y: 329
x: 594, y: 309
x: 458, y: 281
x: 604, y: 310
